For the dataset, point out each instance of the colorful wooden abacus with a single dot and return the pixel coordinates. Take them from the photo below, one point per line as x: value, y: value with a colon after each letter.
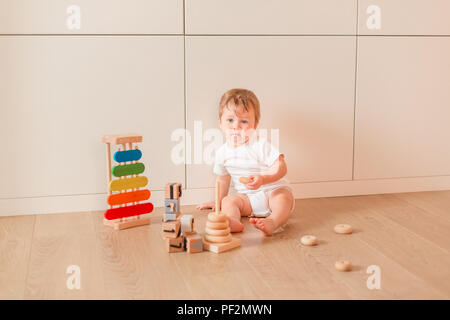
x: 125, y: 193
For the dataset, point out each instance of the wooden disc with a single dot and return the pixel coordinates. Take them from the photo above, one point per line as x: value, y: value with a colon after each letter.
x: 212, y: 216
x: 218, y: 239
x: 245, y: 180
x: 217, y: 225
x: 217, y: 232
x: 309, y: 240
x: 343, y: 265
x: 343, y: 228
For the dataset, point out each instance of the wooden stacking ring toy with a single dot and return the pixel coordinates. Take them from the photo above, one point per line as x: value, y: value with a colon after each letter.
x: 217, y: 232
x: 126, y: 194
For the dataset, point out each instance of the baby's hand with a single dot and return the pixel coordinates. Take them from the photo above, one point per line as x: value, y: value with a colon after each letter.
x: 256, y: 182
x: 207, y: 205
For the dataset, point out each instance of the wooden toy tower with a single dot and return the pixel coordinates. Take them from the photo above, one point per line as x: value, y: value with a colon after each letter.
x: 217, y: 232
x: 178, y: 230
x: 126, y: 192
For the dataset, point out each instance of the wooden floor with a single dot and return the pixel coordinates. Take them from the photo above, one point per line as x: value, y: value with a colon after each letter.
x: 407, y: 235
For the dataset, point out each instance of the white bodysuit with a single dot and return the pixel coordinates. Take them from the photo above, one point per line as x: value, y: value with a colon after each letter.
x: 253, y: 158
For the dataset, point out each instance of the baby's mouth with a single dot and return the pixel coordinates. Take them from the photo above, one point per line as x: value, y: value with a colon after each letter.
x: 235, y: 133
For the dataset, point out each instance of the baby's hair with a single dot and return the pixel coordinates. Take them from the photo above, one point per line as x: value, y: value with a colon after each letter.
x: 240, y: 98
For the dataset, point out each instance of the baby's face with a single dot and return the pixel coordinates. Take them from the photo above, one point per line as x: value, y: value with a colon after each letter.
x: 237, y: 125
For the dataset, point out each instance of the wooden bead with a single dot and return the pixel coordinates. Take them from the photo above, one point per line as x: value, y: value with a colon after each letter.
x: 343, y: 228
x: 309, y: 240
x: 343, y: 265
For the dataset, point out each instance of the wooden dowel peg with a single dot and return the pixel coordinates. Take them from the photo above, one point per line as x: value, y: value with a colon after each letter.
x: 217, y: 197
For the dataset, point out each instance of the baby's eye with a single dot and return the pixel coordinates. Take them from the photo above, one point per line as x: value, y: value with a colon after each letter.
x: 244, y: 121
x: 230, y: 120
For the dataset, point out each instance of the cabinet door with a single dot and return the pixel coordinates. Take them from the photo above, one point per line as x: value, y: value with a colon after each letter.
x: 59, y: 95
x: 403, y: 107
x: 99, y: 16
x: 271, y: 17
x: 306, y: 90
x: 404, y: 17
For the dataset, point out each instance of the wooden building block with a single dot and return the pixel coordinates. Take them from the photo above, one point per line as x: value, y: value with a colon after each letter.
x: 171, y: 229
x: 171, y: 206
x: 172, y: 191
x: 194, y: 243
x: 171, y: 217
x: 174, y: 244
x: 187, y: 223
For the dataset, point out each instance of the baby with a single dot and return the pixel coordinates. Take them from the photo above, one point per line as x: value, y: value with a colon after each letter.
x: 266, y: 196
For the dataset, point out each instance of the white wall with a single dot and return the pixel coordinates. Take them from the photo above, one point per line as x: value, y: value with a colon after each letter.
x: 359, y: 111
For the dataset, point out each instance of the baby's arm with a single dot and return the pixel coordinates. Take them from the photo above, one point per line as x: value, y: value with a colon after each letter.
x: 277, y: 171
x: 224, y: 182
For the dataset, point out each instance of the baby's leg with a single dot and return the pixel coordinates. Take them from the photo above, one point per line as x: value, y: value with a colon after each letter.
x: 280, y: 203
x: 235, y: 205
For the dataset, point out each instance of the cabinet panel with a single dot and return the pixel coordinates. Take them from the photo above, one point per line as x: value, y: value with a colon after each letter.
x: 271, y: 17
x: 59, y: 95
x: 403, y: 107
x: 404, y: 17
x: 99, y: 16
x: 306, y: 90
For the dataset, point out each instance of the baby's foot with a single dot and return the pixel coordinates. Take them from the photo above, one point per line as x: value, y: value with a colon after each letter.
x: 266, y: 225
x: 235, y: 225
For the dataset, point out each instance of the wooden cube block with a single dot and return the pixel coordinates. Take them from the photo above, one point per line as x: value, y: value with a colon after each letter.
x: 187, y: 223
x: 194, y: 243
x: 172, y: 191
x: 171, y: 217
x: 171, y: 206
x: 171, y: 229
x: 174, y: 244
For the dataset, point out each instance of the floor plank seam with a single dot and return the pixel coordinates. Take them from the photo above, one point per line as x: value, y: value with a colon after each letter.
x: 29, y: 257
